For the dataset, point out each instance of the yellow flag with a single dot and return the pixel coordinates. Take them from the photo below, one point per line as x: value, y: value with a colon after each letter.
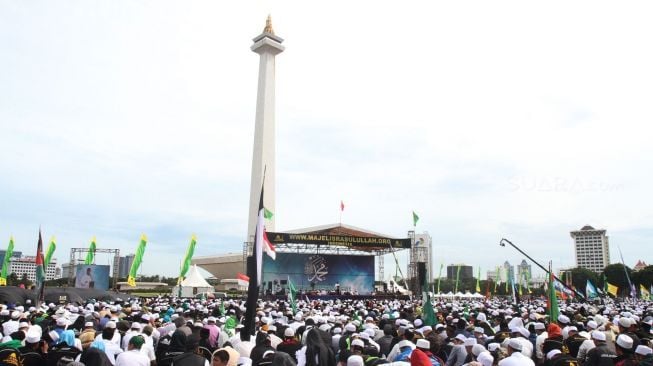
x: 645, y: 294
x: 612, y: 289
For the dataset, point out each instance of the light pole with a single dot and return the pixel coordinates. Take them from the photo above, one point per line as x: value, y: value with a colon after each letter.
x: 503, y: 244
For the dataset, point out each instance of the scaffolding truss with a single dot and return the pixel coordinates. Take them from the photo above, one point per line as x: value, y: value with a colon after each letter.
x: 76, y: 259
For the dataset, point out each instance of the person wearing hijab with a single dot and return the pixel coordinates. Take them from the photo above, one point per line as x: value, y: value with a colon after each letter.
x: 282, y: 359
x: 315, y: 352
x: 177, y: 347
x: 95, y: 356
x: 64, y: 348
x: 191, y: 356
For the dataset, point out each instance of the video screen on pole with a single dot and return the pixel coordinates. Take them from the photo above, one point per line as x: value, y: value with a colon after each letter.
x: 353, y: 273
x: 92, y: 276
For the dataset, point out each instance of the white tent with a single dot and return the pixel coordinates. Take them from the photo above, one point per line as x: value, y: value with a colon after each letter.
x: 193, y: 284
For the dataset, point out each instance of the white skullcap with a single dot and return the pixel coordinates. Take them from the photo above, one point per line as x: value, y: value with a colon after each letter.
x: 563, y: 319
x: 477, y: 349
x: 481, y: 317
x: 624, y: 322
x: 423, y: 343
x: 539, y: 326
x: 478, y: 330
x: 355, y: 360
x: 592, y: 324
x: 552, y: 353
x: 625, y: 341
x: 598, y: 335
x: 485, y: 358
x: 461, y: 338
x: 350, y: 327
x: 470, y: 342
x: 643, y: 350
x: 357, y: 342
x: 111, y: 325
x: 493, y: 347
x: 515, y: 344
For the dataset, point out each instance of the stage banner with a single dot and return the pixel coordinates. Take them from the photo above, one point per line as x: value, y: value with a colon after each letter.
x: 352, y: 273
x: 92, y: 276
x: 358, y: 242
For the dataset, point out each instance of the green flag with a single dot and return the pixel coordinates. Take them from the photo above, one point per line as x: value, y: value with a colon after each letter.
x: 49, y: 252
x: 223, y: 312
x: 440, y: 276
x: 478, y: 281
x: 90, y: 255
x: 185, y: 265
x: 429, y: 314
x: 267, y: 213
x: 457, y: 278
x: 292, y: 296
x: 5, y: 263
x: 552, y: 303
x: 415, y: 218
x: 138, y: 258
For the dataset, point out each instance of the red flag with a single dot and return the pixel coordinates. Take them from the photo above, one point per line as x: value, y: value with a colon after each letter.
x: 243, y: 277
x: 342, y: 206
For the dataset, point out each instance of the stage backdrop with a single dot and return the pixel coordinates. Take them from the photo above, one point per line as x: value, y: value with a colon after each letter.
x: 92, y: 276
x: 353, y: 272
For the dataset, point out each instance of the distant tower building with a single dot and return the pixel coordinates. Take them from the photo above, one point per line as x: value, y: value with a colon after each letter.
x: 267, y: 45
x: 591, y: 248
x: 523, y: 272
x: 466, y: 272
x: 508, y: 272
x: 125, y: 264
x: 27, y: 266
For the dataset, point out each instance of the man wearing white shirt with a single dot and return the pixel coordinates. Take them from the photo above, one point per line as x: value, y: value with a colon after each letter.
x: 133, y: 356
x: 516, y: 358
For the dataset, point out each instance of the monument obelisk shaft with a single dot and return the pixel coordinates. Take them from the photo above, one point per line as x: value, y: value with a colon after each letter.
x: 267, y: 45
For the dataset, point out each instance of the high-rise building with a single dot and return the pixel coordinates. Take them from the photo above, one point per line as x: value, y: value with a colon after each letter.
x: 13, y: 255
x: 27, y: 265
x: 125, y: 264
x: 591, y: 248
x: 466, y: 272
x: 502, y: 273
x: 523, y: 272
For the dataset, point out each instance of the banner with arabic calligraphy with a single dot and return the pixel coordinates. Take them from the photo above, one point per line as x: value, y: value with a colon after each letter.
x: 322, y: 271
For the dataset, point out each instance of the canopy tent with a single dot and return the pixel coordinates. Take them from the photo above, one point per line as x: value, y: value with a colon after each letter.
x: 193, y: 284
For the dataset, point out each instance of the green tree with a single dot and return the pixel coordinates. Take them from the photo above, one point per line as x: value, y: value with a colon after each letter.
x: 579, y: 277
x: 25, y: 281
x: 615, y: 275
x: 644, y: 276
x: 12, y: 279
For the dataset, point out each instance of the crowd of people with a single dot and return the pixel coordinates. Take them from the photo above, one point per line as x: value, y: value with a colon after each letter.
x: 171, y: 331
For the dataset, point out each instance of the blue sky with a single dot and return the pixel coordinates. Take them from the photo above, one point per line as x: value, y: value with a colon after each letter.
x: 505, y: 119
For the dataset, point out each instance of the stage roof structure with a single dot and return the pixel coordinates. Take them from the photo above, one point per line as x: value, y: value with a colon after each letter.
x: 336, y: 239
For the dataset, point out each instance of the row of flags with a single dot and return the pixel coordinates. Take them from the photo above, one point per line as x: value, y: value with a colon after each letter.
x: 42, y: 260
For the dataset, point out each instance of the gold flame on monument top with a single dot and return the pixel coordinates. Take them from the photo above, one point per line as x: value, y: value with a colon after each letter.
x: 268, y: 25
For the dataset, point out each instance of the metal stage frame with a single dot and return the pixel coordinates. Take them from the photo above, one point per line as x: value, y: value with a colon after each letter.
x: 73, y: 263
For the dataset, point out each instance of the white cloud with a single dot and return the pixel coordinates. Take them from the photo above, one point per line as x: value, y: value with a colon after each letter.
x: 490, y: 119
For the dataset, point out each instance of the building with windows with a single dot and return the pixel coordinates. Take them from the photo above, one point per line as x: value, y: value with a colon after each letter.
x: 591, y: 248
x: 523, y: 272
x: 502, y: 273
x: 27, y: 265
x: 466, y: 272
x: 124, y: 265
x: 13, y: 255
